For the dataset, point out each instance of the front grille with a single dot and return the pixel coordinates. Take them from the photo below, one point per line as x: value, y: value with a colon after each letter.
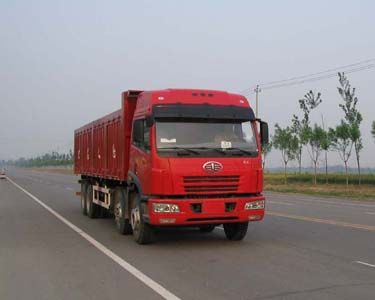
x: 211, y: 184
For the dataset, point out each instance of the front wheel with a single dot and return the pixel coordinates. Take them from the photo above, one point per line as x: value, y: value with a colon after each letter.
x: 122, y: 223
x: 235, y: 231
x: 143, y: 232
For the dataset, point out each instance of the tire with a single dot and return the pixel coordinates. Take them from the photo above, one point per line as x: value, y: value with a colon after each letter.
x: 102, y: 212
x: 235, y: 231
x: 143, y: 233
x: 91, y: 208
x: 207, y: 228
x: 119, y: 210
x: 83, y: 198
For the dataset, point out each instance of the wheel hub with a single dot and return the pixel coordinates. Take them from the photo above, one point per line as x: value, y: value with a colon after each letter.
x: 118, y: 212
x: 135, y: 218
x: 88, y: 206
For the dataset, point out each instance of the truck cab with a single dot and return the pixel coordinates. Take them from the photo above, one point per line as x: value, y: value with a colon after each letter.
x: 195, y: 160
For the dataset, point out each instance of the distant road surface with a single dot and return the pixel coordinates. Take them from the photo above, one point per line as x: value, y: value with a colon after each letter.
x: 306, y: 248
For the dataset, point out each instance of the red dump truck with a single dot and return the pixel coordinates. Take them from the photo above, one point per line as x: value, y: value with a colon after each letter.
x: 174, y: 157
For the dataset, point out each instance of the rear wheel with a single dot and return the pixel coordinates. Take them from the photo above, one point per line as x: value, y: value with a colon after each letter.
x: 143, y: 232
x: 122, y: 224
x: 207, y: 228
x: 83, y: 198
x: 235, y: 231
x: 102, y: 212
x: 91, y: 208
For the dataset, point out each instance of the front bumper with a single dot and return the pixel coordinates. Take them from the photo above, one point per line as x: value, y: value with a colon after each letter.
x: 213, y: 211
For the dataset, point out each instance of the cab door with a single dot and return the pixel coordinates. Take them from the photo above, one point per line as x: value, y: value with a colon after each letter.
x: 140, y: 154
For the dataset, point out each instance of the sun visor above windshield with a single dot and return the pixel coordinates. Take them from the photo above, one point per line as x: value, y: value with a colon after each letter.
x: 204, y: 111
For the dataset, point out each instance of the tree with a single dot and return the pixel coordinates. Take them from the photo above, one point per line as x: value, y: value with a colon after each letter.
x: 266, y: 149
x: 53, y: 159
x: 298, y: 131
x: 287, y: 143
x: 342, y: 143
x: 316, y: 139
x: 352, y: 116
x: 299, y: 127
x: 373, y: 129
x: 326, y: 145
x: 309, y: 102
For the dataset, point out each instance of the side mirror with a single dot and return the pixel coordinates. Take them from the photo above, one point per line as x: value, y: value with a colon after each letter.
x: 264, y: 137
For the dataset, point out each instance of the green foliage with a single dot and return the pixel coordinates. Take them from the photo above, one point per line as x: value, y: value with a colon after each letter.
x: 326, y: 141
x: 352, y: 116
x: 284, y: 141
x: 300, y: 128
x: 266, y: 149
x: 316, y: 140
x: 347, y: 93
x: 48, y: 159
x: 309, y: 102
x: 287, y: 143
x: 341, y: 140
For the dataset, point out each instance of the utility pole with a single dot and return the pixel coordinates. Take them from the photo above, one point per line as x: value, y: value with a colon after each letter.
x: 257, y: 90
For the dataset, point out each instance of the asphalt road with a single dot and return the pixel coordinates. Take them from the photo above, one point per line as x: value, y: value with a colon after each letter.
x: 306, y: 248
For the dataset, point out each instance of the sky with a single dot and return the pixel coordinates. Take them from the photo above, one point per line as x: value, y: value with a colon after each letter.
x: 65, y: 63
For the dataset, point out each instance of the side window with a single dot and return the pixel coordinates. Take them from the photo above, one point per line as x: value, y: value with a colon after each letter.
x: 138, y: 133
x: 141, y: 134
x: 146, y: 136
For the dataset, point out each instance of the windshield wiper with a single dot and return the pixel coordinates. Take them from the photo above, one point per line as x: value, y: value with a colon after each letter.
x: 243, y: 151
x: 181, y: 148
x: 208, y: 148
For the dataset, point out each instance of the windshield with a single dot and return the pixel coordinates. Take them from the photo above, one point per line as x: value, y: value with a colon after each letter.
x: 196, y: 138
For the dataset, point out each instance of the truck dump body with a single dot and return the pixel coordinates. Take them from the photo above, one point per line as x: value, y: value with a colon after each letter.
x: 98, y: 150
x: 101, y: 148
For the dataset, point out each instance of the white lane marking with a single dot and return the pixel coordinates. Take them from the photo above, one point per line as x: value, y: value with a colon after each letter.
x: 124, y: 264
x: 277, y: 202
x: 69, y: 189
x: 364, y: 263
x: 369, y: 213
x: 323, y: 221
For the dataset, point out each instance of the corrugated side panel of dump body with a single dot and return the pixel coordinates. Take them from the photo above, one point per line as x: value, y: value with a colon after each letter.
x: 99, y: 148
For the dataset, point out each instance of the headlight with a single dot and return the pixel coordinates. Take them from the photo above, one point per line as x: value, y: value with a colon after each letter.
x: 165, y: 208
x: 255, y: 205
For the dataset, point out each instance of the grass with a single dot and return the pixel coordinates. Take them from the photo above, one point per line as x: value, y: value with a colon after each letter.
x: 67, y: 170
x: 336, y: 187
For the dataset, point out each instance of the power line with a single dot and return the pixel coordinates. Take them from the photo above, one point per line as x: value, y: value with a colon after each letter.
x: 318, y: 73
x: 310, y: 77
x: 363, y: 68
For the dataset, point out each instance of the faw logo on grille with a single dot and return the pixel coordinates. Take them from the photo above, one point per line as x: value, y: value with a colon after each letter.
x: 212, y: 166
